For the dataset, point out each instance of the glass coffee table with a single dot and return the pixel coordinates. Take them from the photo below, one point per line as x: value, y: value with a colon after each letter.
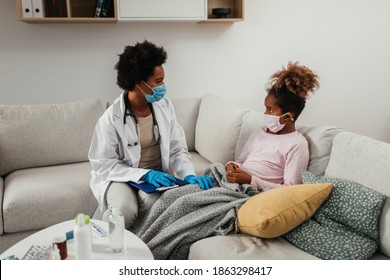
x: 135, y: 248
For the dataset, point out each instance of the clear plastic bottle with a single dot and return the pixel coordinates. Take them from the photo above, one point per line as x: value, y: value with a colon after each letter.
x: 82, y: 237
x: 116, y: 230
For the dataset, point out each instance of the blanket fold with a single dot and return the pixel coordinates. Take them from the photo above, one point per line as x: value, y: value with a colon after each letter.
x: 184, y: 215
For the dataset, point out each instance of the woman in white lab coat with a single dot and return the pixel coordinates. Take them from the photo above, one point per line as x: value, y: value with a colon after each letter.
x: 138, y: 138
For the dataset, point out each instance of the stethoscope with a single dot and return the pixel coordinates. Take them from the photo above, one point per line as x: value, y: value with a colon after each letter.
x: 130, y: 112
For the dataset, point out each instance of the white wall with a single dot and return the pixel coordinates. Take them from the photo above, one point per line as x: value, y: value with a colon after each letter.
x: 346, y: 42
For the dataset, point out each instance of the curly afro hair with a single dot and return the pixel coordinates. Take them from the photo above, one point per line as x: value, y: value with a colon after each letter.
x: 137, y: 63
x: 292, y: 86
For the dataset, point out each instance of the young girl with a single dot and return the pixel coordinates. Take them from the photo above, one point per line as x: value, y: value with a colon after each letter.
x: 276, y: 154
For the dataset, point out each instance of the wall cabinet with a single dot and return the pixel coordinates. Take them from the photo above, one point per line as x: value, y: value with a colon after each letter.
x: 129, y: 10
x: 162, y: 10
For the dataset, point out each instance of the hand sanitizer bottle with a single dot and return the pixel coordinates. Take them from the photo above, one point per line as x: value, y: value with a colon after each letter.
x: 82, y: 237
x: 116, y: 230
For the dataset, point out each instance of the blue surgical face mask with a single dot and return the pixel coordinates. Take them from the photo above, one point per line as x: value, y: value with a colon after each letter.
x: 158, y: 93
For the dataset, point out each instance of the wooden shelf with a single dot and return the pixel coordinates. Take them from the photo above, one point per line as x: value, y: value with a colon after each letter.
x: 225, y: 20
x: 69, y: 20
x: 83, y: 11
x: 70, y: 11
x: 237, y: 14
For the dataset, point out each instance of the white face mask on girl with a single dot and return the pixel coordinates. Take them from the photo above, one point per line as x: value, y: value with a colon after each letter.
x: 273, y: 123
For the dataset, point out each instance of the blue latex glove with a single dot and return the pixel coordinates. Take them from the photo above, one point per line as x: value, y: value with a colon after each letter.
x: 204, y: 182
x: 159, y: 179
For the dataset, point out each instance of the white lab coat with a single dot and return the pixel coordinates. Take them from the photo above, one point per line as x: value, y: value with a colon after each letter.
x: 112, y: 158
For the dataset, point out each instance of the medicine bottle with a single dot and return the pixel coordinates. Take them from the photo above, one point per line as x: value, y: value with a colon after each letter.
x: 116, y: 229
x: 60, y: 241
x: 82, y: 237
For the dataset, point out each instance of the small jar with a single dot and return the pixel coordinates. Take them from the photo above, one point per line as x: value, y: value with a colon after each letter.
x: 60, y: 241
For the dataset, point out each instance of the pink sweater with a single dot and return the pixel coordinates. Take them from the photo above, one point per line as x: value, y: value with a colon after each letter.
x: 274, y: 160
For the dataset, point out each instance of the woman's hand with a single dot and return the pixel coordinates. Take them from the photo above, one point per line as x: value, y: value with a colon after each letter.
x: 238, y: 176
x: 159, y: 179
x: 204, y: 182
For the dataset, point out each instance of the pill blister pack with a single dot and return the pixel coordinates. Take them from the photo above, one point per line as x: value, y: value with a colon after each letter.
x: 12, y: 257
x: 37, y: 252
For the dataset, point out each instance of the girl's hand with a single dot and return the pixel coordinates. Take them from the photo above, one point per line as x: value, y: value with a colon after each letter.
x: 232, y: 167
x: 238, y: 176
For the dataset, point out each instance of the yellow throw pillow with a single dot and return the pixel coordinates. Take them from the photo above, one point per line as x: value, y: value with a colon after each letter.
x: 273, y: 213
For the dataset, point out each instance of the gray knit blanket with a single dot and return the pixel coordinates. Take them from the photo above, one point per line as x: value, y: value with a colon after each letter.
x: 184, y: 215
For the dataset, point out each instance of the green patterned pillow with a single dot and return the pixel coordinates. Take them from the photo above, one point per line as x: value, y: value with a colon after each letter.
x: 330, y: 243
x: 350, y: 204
x: 346, y: 226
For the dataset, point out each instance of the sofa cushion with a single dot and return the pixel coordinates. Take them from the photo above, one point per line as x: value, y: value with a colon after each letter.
x: 200, y: 163
x: 187, y: 110
x: 1, y: 208
x: 245, y: 247
x: 250, y: 122
x: 366, y: 161
x: 42, y: 135
x: 217, y: 129
x: 345, y: 226
x: 36, y: 198
x: 320, y: 144
x: 273, y: 213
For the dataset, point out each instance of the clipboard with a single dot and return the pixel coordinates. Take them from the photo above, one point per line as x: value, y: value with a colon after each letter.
x: 149, y: 188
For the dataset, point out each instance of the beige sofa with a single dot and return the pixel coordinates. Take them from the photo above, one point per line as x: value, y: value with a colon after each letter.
x: 44, y: 166
x: 45, y: 173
